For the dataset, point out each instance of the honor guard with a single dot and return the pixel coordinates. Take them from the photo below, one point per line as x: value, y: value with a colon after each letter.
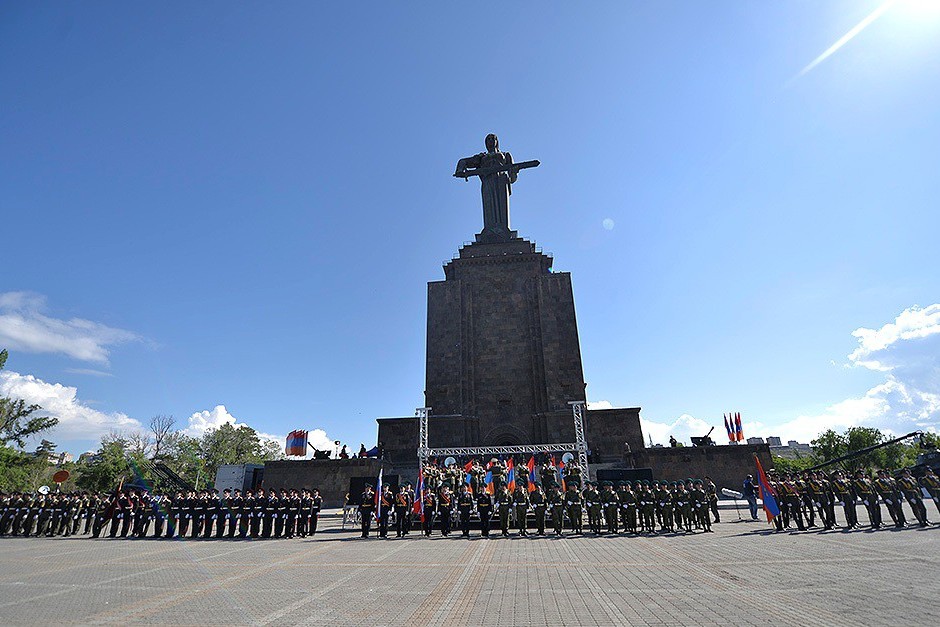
x: 485, y: 510
x: 465, y: 504
x: 573, y: 507
x: 911, y: 490
x: 503, y: 508
x: 367, y: 510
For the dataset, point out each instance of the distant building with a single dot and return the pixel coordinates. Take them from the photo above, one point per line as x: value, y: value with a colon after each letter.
x: 792, y: 449
x: 755, y: 440
x: 774, y: 441
x: 53, y: 458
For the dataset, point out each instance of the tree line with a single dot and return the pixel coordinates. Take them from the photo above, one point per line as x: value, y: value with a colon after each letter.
x: 830, y: 445
x: 121, y: 456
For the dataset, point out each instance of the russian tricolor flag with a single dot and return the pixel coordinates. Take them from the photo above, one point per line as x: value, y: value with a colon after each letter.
x: 378, y: 497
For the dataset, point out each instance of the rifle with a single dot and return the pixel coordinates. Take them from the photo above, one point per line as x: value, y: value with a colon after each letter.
x: 512, y: 168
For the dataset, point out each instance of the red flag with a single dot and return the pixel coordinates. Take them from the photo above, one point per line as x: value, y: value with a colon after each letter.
x: 468, y: 466
x: 738, y: 428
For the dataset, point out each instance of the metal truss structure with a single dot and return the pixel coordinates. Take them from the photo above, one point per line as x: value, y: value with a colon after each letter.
x: 579, y: 445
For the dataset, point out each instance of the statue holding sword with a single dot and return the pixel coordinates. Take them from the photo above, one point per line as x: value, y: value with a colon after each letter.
x: 497, y: 173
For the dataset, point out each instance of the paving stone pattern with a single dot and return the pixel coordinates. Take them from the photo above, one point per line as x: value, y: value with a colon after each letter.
x: 742, y: 574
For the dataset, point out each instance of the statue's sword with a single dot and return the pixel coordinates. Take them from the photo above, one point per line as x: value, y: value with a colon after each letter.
x: 512, y: 167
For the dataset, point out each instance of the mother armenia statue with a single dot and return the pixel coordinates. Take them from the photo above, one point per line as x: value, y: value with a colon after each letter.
x: 497, y: 173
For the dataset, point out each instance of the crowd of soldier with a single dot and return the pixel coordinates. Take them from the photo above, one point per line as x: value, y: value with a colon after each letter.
x: 132, y: 513
x: 455, y: 498
x: 801, y: 497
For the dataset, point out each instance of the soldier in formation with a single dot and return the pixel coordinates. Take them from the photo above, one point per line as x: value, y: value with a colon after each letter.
x: 803, y: 497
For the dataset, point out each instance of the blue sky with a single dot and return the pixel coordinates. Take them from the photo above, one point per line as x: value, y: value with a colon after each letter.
x: 237, y: 205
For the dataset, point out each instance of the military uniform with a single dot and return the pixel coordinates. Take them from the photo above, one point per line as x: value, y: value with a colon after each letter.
x: 485, y: 510
x: 504, y: 505
x: 387, y: 501
x: 699, y: 498
x: 667, y: 506
x: 592, y: 501
x: 316, y: 504
x: 293, y: 513
x: 793, y: 501
x: 647, y: 505
x: 887, y: 489
x: 846, y: 493
x: 430, y: 511
x: 402, y: 511
x: 611, y: 503
x: 557, y: 502
x: 464, y: 510
x: 445, y: 504
x: 711, y: 491
x: 539, y: 506
x: 253, y: 511
x: 574, y: 508
x: 366, y: 511
x: 520, y: 502
x: 236, y: 515
x: 911, y: 491
x: 866, y: 492
x: 931, y: 482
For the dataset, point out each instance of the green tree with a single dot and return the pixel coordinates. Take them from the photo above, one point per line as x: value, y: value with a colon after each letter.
x: 829, y: 445
x: 17, y: 422
x: 858, y: 438
x: 107, y: 467
x: 183, y: 455
x: 796, y: 464
x: 16, y: 469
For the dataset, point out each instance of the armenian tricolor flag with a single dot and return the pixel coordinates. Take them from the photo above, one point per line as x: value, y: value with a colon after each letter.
x: 296, y: 443
x: 531, y: 466
x: 418, y: 507
x: 510, y: 475
x: 767, y: 494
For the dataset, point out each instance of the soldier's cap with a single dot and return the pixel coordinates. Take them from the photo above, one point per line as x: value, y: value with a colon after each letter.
x: 697, y: 482
x: 607, y: 483
x: 646, y: 482
x: 227, y: 490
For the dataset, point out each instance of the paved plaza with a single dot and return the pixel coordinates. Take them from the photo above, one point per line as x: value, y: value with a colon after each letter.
x: 741, y: 574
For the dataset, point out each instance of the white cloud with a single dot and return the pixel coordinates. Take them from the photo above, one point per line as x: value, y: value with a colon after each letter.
x: 24, y: 327
x: 599, y: 405
x: 77, y: 421
x: 89, y: 371
x: 202, y: 421
x: 907, y: 351
x: 683, y: 428
x: 879, y: 349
